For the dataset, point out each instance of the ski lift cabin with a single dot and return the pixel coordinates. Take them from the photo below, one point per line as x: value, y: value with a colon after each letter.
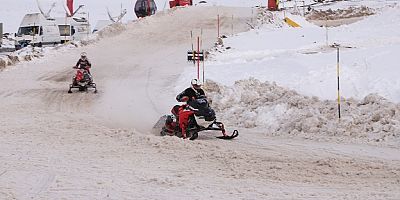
x: 144, y: 8
x: 175, y: 3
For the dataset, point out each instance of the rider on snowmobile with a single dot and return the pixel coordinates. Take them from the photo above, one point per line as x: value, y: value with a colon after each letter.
x: 83, y: 63
x: 192, y: 93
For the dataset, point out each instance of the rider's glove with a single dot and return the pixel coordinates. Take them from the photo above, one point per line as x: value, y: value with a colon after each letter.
x: 184, y: 99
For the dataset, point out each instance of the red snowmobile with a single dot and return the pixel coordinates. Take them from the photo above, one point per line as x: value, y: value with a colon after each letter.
x: 194, y: 111
x: 82, y: 80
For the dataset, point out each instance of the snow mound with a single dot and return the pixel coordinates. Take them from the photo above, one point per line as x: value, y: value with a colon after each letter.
x: 111, y: 30
x: 26, y: 54
x: 340, y: 13
x: 275, y: 20
x: 30, y: 53
x: 282, y: 112
x: 267, y: 19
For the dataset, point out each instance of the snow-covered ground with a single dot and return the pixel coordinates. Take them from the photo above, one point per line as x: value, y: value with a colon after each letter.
x: 12, y: 14
x: 56, y: 145
x: 368, y: 57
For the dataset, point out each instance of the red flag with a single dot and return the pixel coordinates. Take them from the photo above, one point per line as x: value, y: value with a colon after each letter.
x: 70, y: 5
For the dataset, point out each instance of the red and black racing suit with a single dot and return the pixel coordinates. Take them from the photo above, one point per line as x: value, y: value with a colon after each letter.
x: 184, y: 113
x: 84, y: 64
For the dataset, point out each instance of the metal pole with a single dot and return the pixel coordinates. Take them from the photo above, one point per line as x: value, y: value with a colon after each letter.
x: 252, y: 15
x: 201, y: 38
x: 232, y: 25
x: 338, y: 81
x: 198, y: 58
x: 201, y: 47
x: 191, y: 40
x: 326, y: 32
x: 65, y: 30
x: 1, y: 34
x: 203, y: 68
x: 218, y: 25
x: 34, y: 32
x: 88, y: 26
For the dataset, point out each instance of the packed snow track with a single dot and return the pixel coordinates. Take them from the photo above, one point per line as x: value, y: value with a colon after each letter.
x: 56, y: 145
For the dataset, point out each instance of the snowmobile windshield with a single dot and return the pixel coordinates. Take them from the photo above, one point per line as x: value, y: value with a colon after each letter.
x: 199, y: 103
x: 203, y: 109
x: 28, y: 30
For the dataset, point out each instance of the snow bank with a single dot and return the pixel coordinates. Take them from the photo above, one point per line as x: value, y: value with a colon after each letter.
x: 111, y: 30
x: 30, y: 53
x: 283, y: 112
x: 26, y: 54
x: 347, y: 4
x: 340, y: 14
x: 299, y: 58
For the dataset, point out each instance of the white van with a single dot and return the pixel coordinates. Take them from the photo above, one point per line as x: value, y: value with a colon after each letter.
x: 73, y: 28
x: 36, y: 30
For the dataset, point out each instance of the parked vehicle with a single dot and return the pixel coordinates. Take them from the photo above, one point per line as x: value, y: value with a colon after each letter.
x: 73, y: 28
x: 36, y: 30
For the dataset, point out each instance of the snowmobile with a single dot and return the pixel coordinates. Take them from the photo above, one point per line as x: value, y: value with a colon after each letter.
x: 83, y: 80
x: 201, y: 118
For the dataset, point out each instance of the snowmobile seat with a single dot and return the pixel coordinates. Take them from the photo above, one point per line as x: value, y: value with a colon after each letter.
x: 175, y: 110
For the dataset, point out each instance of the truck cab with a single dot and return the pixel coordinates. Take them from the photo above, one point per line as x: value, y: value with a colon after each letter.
x: 35, y: 30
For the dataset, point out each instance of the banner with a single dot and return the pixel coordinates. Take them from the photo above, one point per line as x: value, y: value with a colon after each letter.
x: 70, y: 5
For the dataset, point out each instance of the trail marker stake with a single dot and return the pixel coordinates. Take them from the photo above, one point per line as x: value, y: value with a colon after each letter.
x: 218, y: 24
x: 338, y: 79
x: 197, y: 55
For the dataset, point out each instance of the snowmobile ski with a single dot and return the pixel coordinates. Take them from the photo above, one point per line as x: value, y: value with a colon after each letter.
x: 229, y: 137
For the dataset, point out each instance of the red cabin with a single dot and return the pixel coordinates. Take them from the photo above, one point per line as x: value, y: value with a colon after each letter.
x: 273, y: 5
x: 144, y: 8
x: 175, y: 3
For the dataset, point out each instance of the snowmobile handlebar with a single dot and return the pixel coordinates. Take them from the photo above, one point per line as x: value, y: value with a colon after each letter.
x: 186, y: 98
x: 85, y: 68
